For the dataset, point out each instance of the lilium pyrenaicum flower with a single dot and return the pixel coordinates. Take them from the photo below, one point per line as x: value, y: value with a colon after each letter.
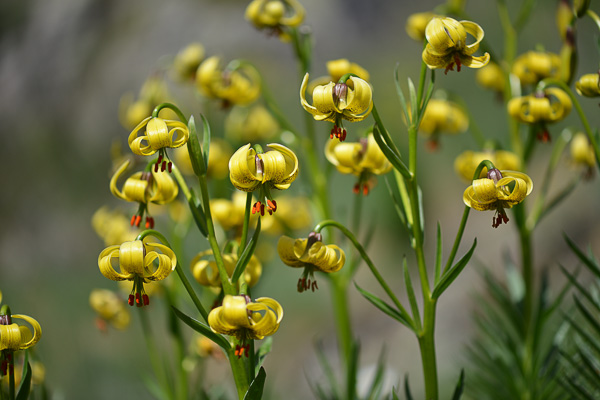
x: 447, y: 44
x: 160, y: 134
x: 144, y: 187
x: 140, y: 263
x: 206, y: 272
x: 351, y: 100
x: 500, y: 190
x: 312, y: 255
x: 246, y: 320
x: 276, y: 168
x: 15, y: 337
x: 276, y: 16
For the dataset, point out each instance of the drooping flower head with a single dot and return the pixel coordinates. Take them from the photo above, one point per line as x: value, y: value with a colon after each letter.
x: 143, y: 188
x: 275, y: 16
x: 542, y: 107
x: 498, y: 191
x: 534, y: 66
x: 312, y: 255
x: 160, y: 134
x: 442, y: 117
x: 363, y: 159
x: 466, y: 163
x: 583, y: 155
x: 246, y: 320
x: 250, y: 170
x: 187, y: 61
x: 491, y: 77
x: 110, y: 309
x: 588, y: 85
x: 138, y: 262
x: 206, y: 271
x: 351, y: 100
x: 230, y: 213
x: 112, y: 226
x: 447, y: 44
x: 238, y: 83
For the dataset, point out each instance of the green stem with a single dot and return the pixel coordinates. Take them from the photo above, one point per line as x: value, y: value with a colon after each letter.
x: 170, y: 106
x: 364, y: 256
x: 342, y: 317
x: 457, y: 239
x: 240, y: 374
x: 180, y: 273
x: 427, y: 347
x: 11, y: 376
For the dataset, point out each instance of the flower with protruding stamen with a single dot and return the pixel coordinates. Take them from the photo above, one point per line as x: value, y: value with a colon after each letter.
x: 238, y: 83
x: 447, y: 44
x: 246, y: 320
x: 500, y: 190
x: 312, y: 255
x: 138, y: 262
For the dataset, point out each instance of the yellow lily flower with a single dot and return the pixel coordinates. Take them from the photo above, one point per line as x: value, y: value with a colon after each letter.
x: 239, y: 85
x: 187, y: 61
x: 112, y: 226
x: 144, y: 187
x: 588, y: 85
x: 417, y: 23
x: 551, y: 105
x: 249, y: 170
x: 442, y: 116
x: 206, y: 272
x: 333, y: 102
x: 467, y: 162
x: 363, y: 159
x: 500, y: 190
x: 137, y: 264
x: 15, y: 337
x: 534, y: 66
x: 491, y: 77
x: 447, y: 44
x: 246, y: 320
x: 230, y: 213
x: 582, y: 154
x: 160, y: 134
x: 275, y: 16
x: 110, y: 309
x: 252, y: 124
x: 312, y: 255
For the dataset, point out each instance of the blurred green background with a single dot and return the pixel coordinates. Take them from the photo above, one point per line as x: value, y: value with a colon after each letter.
x: 64, y: 65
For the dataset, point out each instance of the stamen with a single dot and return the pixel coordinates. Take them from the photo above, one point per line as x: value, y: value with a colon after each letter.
x: 163, y: 166
x: 138, y: 300
x: 365, y: 189
x: 145, y: 299
x: 170, y: 165
x: 133, y: 220
x: 130, y: 301
x: 272, y: 205
x: 138, y: 219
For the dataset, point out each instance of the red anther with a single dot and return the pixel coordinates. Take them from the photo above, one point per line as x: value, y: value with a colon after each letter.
x: 432, y: 145
x: 138, y: 219
x: 544, y: 136
x: 163, y: 166
x: 145, y: 299
x: 130, y: 301
x: 356, y: 188
x: 133, y: 220
x: 151, y: 219
x: 300, y: 285
x: 272, y: 205
x: 332, y: 133
x: 138, y: 300
x: 457, y: 61
x: 343, y: 136
x: 156, y: 167
x: 270, y: 211
x: 247, y: 348
x: 147, y: 224
x: 365, y: 189
x: 170, y: 166
x: 314, y: 286
x: 262, y: 210
x: 160, y: 157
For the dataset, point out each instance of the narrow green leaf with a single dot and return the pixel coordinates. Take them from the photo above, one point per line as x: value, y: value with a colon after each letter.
x: 25, y: 386
x: 427, y: 98
x: 194, y: 149
x: 206, y: 140
x: 592, y: 319
x: 328, y: 371
x: 407, y: 388
x: 399, y: 316
x: 240, y: 266
x: 582, y: 290
x: 410, y: 292
x: 401, y: 95
x: 591, y: 263
x: 375, y: 387
x: 438, y: 255
x: 453, y: 273
x: 591, y: 340
x: 255, y: 391
x: 459, y: 386
x: 397, y: 205
x: 394, y: 395
x: 581, y: 392
x: 414, y: 107
x: 203, y: 329
x: 389, y: 153
x: 198, y: 213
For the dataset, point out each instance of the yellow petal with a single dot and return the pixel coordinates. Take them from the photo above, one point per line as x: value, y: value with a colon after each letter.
x: 242, y: 169
x: 474, y: 30
x: 106, y: 268
x: 113, y: 181
x: 37, y: 331
x: 286, y: 247
x: 290, y: 165
x: 588, y: 85
x: 167, y: 261
x: 135, y: 143
x: 445, y: 34
x: 164, y: 188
